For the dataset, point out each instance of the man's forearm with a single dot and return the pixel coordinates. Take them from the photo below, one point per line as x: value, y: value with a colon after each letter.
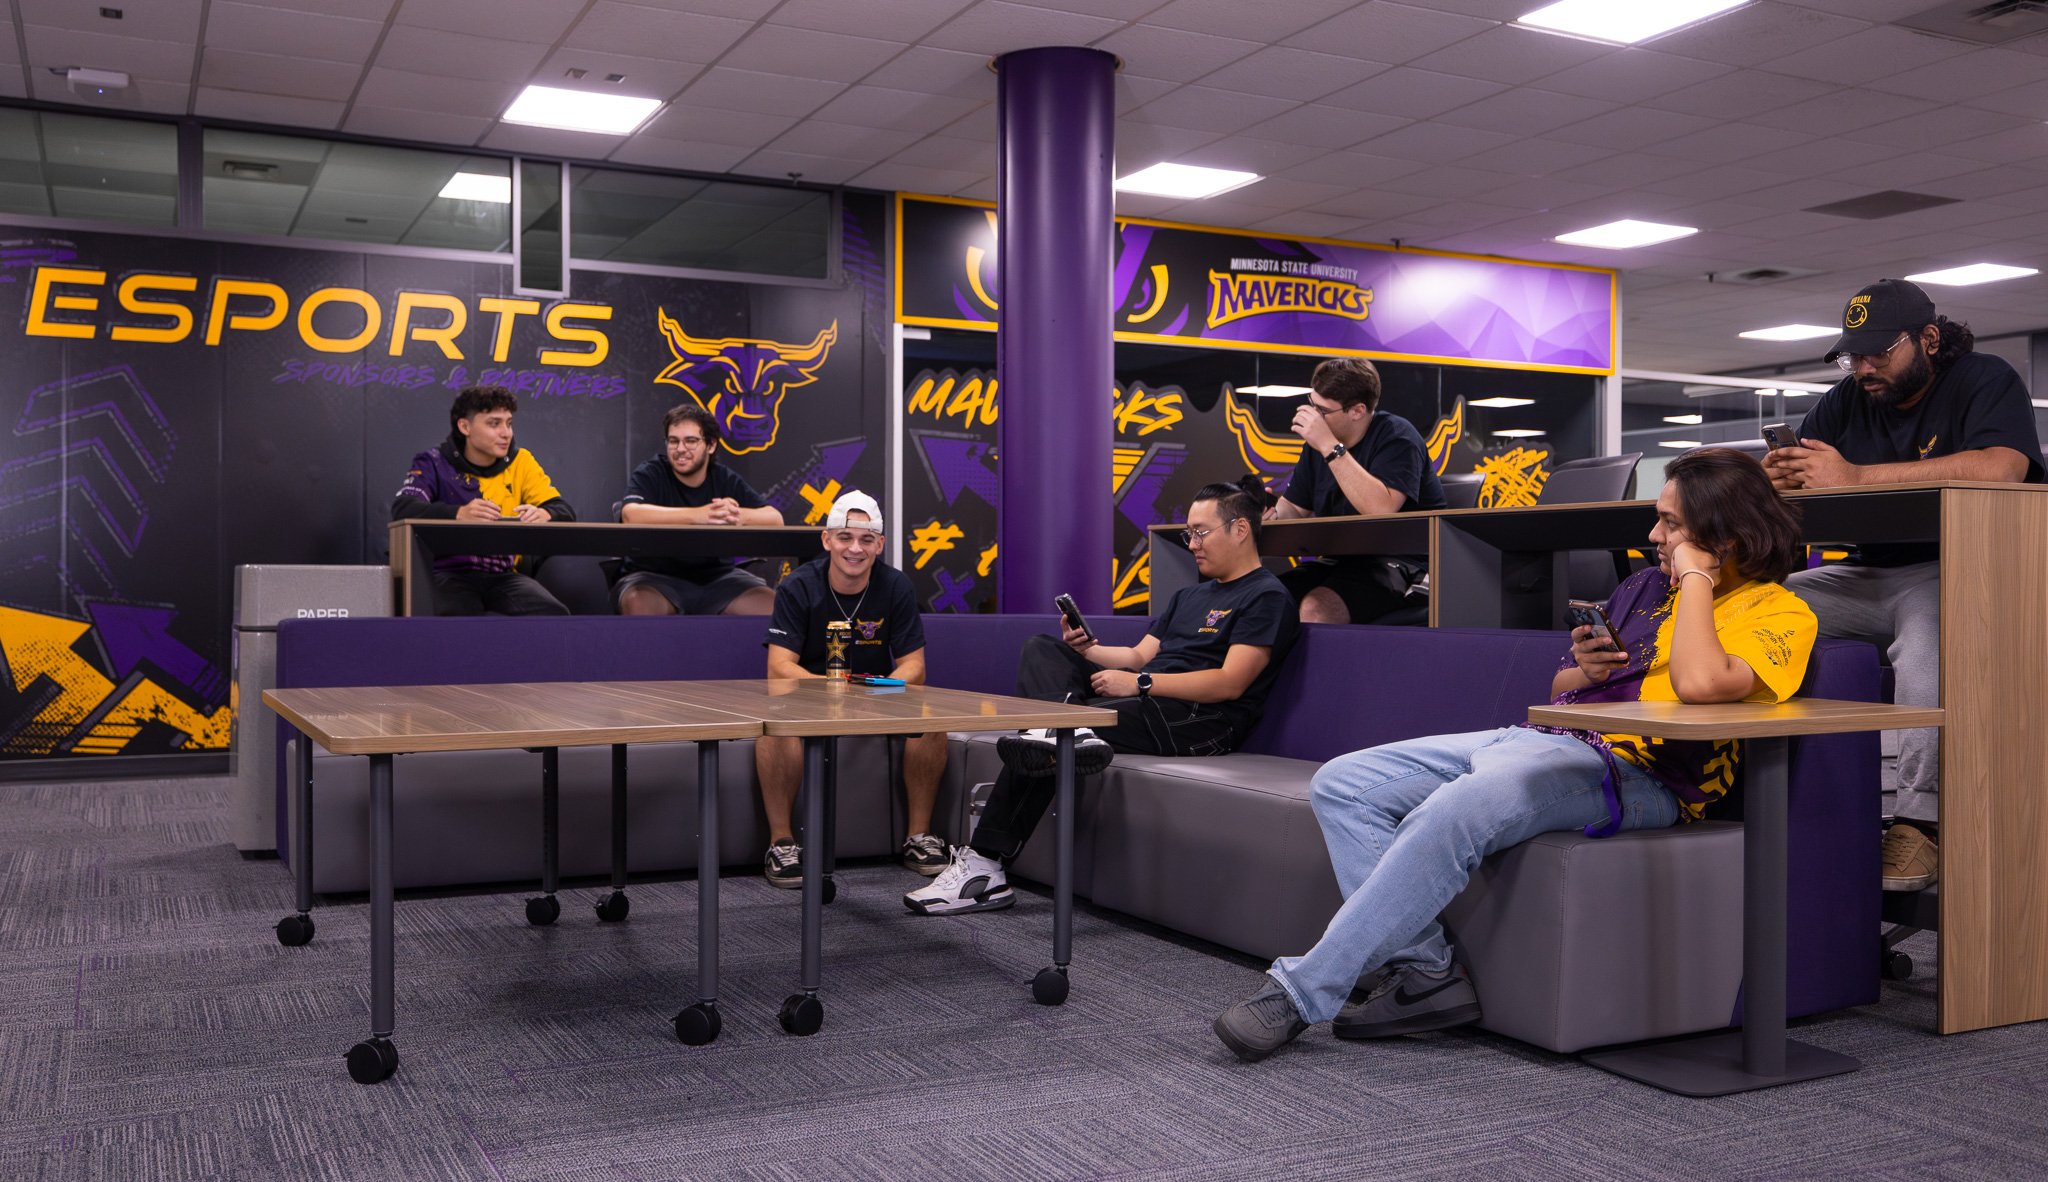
x: 1367, y: 493
x: 1988, y: 463
x: 1112, y: 658
x: 1201, y: 685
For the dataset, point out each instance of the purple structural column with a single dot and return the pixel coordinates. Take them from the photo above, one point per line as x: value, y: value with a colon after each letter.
x: 1055, y: 226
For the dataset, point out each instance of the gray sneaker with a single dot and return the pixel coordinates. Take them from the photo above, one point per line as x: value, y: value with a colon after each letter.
x: 783, y: 865
x: 1408, y: 1000
x: 1260, y: 1024
x: 925, y: 853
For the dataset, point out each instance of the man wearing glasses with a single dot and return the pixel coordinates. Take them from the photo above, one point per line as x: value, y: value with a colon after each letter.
x: 1355, y: 459
x: 1195, y: 685
x: 1918, y: 404
x: 685, y: 486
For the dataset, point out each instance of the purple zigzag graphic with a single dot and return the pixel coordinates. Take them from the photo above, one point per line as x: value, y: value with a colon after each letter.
x: 19, y: 254
x: 1139, y: 501
x: 952, y: 596
x: 959, y: 464
x: 132, y: 634
x: 828, y: 462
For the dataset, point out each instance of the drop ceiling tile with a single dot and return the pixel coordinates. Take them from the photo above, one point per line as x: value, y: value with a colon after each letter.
x: 926, y: 70
x: 895, y: 110
x: 1538, y: 157
x: 1139, y: 145
x: 979, y: 191
x: 1152, y: 51
x: 1132, y: 91
x: 1781, y: 225
x: 1989, y: 183
x: 540, y: 21
x: 1542, y: 193
x: 1526, y: 111
x: 816, y: 170
x: 1816, y: 158
x: 1232, y: 18
x: 1920, y: 172
x: 160, y: 20
x: 1740, y: 94
x: 644, y: 77
x: 1631, y: 75
x: 412, y: 123
x: 1385, y: 32
x: 687, y: 155
x: 461, y: 55
x: 1302, y: 223
x: 950, y: 153
x: 1374, y: 205
x: 402, y: 90
x: 1971, y: 76
x: 548, y: 141
x: 255, y: 28
x: 2026, y: 141
x: 1412, y: 94
x: 1929, y: 129
x: 980, y: 124
x: 1729, y: 143
x: 701, y: 125
x: 2029, y: 101
x: 996, y: 27
x: 1122, y: 10
x: 1204, y: 108
x: 910, y: 178
x: 1247, y: 153
x: 815, y: 137
x: 1514, y: 55
x: 1756, y: 33
x: 891, y: 20
x: 684, y: 36
x: 367, y: 10
x: 1278, y: 193
x: 1624, y: 170
x: 1841, y: 110
x: 47, y: 46
x: 258, y: 73
x: 1358, y: 170
x: 833, y: 57
x: 1282, y: 72
x: 1631, y: 129
x: 1865, y: 58
x: 1435, y: 143
x: 1446, y: 181
x: 1229, y: 211
x: 215, y: 103
x: 1713, y: 184
x: 725, y: 89
x: 1334, y: 128
x: 1715, y: 216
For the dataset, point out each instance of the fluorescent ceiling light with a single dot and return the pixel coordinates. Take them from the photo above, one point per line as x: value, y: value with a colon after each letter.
x: 1184, y: 180
x: 1679, y: 443
x: 1275, y: 391
x: 1502, y: 403
x: 1766, y: 392
x: 1517, y: 433
x: 579, y: 110
x: 1624, y: 234
x: 478, y: 186
x: 1973, y: 274
x: 2040, y: 403
x: 1789, y: 392
x: 1685, y: 420
x: 1623, y: 22
x: 1789, y: 332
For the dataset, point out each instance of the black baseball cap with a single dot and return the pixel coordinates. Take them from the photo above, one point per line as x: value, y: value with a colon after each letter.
x: 1874, y: 317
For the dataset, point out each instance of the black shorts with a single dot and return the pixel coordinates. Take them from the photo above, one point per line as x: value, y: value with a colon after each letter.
x: 691, y: 598
x: 1370, y: 587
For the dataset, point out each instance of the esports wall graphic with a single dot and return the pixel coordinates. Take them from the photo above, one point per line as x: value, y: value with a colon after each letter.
x: 174, y: 408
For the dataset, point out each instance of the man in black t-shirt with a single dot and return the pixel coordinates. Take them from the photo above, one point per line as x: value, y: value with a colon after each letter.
x: 685, y: 485
x: 1195, y: 685
x: 850, y: 583
x: 1355, y: 459
x: 1918, y: 404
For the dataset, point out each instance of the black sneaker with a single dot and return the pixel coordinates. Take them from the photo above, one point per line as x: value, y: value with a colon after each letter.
x: 924, y: 853
x: 1035, y: 753
x: 1260, y: 1024
x: 783, y: 865
x: 1408, y: 1000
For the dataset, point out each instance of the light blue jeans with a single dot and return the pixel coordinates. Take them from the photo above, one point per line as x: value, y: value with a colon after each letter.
x: 1407, y: 822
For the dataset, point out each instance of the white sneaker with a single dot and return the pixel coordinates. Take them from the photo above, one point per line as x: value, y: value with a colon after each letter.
x: 971, y: 883
x: 1036, y: 752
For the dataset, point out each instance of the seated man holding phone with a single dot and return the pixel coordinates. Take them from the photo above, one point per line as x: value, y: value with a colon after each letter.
x: 1195, y: 685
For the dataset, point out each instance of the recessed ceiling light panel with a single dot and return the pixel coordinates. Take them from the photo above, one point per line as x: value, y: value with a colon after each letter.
x: 579, y: 110
x: 1626, y: 233
x: 1187, y: 181
x: 1517, y: 433
x: 1275, y: 391
x: 1501, y: 403
x: 1681, y: 444
x: 1789, y: 332
x: 1624, y: 22
x: 1685, y: 420
x: 1973, y: 274
x: 478, y: 186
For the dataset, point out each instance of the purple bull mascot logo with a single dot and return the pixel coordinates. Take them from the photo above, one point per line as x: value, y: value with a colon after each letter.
x: 742, y: 381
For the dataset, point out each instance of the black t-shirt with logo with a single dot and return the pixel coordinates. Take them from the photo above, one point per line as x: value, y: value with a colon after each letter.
x: 886, y: 624
x: 1391, y: 449
x: 1201, y: 622
x: 1978, y: 402
x: 655, y: 483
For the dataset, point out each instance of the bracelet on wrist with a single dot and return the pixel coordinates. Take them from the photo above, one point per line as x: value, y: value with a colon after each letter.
x: 1706, y: 574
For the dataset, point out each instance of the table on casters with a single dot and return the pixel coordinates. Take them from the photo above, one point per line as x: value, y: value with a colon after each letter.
x: 380, y: 722
x: 1759, y: 1055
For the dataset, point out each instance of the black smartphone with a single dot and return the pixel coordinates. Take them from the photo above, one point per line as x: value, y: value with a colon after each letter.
x: 1778, y: 435
x: 1584, y: 612
x: 1072, y: 615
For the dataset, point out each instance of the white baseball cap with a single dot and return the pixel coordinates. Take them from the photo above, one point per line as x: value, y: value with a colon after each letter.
x: 855, y: 502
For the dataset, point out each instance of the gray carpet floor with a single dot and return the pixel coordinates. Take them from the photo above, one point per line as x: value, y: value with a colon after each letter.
x: 152, y: 1028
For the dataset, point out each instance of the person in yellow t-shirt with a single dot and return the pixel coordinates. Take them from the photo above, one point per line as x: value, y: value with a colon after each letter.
x: 1406, y: 822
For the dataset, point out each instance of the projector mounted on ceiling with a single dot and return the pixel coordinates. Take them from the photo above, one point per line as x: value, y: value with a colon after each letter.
x: 88, y: 81
x: 1999, y: 23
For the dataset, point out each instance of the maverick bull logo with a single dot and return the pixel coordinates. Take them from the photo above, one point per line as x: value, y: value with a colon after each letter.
x: 741, y: 381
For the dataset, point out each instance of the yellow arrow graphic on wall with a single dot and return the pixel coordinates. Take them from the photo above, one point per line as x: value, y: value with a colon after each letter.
x: 36, y: 646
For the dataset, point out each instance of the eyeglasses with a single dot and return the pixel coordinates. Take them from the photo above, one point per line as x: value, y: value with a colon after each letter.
x: 1877, y: 360
x: 686, y: 444
x: 1335, y: 410
x: 1189, y: 537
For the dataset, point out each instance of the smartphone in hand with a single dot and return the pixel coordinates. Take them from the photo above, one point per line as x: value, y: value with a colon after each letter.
x: 1586, y: 613
x: 1072, y: 615
x: 1778, y: 435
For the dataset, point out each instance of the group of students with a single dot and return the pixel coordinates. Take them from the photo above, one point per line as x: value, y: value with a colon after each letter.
x: 1728, y: 612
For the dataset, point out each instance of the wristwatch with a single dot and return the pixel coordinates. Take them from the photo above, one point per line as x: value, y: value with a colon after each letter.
x: 1336, y: 453
x: 1144, y: 685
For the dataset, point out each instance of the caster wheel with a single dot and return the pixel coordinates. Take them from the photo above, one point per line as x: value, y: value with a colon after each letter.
x: 372, y: 1061
x: 543, y: 911
x: 699, y: 1024
x: 1898, y: 966
x: 294, y: 930
x: 1049, y: 987
x: 830, y: 892
x: 801, y: 1015
x: 613, y: 907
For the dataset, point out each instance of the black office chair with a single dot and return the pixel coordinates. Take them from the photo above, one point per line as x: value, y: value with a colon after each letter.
x: 1593, y: 574
x: 1461, y: 489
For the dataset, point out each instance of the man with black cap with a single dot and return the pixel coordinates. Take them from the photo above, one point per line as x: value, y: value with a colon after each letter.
x: 1918, y: 404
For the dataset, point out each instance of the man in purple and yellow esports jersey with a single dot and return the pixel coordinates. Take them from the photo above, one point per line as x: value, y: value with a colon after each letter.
x: 1919, y: 403
x: 479, y: 474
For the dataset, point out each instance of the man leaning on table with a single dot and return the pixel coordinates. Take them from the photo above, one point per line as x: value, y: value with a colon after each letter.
x: 885, y: 638
x: 1918, y: 405
x: 686, y: 485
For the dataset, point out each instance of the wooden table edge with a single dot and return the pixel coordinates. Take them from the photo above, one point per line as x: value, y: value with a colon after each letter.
x: 1868, y: 716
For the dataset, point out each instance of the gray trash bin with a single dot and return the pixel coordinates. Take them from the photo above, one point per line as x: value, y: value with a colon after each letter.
x: 265, y: 595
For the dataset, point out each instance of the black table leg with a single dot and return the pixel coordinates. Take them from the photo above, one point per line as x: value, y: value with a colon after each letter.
x: 803, y: 1013
x: 1049, y: 987
x: 828, y: 837
x: 698, y: 1024
x: 1759, y: 1056
x: 545, y: 908
x: 615, y: 906
x: 294, y: 930
x: 375, y: 1058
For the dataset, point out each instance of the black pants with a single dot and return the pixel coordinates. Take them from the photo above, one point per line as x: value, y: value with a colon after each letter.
x: 1051, y: 672
x: 474, y: 592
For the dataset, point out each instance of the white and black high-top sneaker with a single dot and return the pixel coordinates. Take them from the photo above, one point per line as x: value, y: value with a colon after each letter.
x: 971, y: 883
x: 1035, y: 752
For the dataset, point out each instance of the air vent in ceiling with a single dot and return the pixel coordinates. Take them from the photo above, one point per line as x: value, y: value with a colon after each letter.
x: 1978, y: 23
x: 1758, y: 276
x: 1889, y: 203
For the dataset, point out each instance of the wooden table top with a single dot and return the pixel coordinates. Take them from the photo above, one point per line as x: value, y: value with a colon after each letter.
x: 818, y: 708
x: 390, y: 720
x: 1735, y: 720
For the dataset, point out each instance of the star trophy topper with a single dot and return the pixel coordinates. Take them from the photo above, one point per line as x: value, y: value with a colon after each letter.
x: 838, y: 634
